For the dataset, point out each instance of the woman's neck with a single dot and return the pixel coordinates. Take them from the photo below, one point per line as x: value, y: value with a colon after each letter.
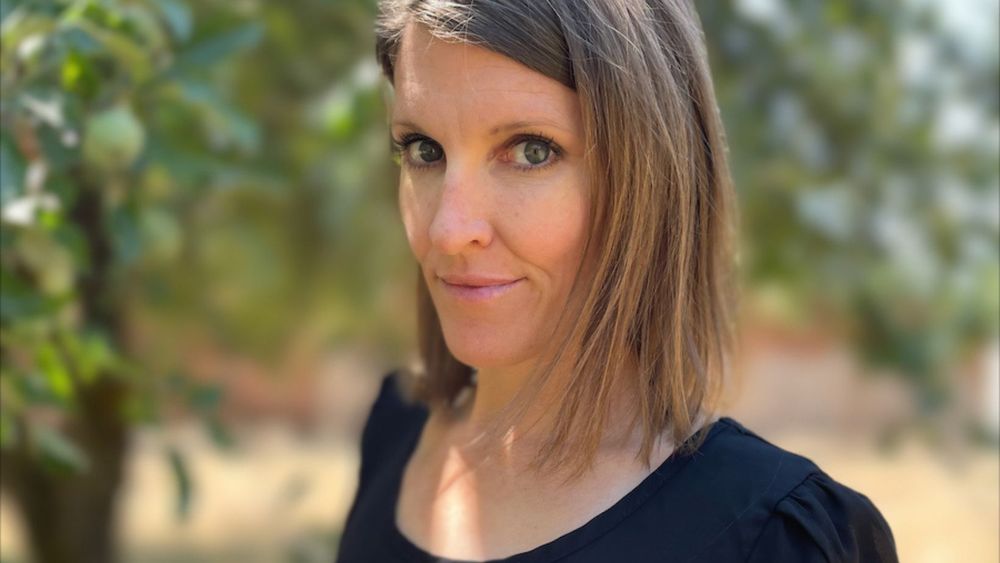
x: 481, y: 406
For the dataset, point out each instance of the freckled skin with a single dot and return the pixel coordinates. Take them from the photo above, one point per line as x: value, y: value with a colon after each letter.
x: 474, y: 211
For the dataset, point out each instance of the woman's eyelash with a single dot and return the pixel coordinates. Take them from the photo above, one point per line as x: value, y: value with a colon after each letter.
x: 400, y: 145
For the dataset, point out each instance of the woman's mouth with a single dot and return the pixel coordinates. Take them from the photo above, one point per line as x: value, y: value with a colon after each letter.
x: 474, y: 289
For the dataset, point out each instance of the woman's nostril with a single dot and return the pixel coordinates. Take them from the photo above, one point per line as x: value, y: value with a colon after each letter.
x: 454, y: 234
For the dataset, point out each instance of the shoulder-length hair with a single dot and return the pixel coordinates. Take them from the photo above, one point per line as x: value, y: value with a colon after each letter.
x: 662, y: 295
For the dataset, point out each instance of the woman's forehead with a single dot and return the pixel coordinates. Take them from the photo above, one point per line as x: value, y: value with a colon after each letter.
x: 435, y: 79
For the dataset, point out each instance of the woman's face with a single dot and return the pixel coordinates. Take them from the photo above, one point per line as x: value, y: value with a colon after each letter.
x: 493, y: 194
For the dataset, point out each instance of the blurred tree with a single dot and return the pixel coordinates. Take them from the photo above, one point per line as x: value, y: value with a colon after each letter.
x: 865, y: 152
x: 152, y: 176
x: 96, y: 97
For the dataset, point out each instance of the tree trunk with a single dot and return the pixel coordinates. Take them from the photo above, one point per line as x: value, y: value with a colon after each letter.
x: 71, y: 517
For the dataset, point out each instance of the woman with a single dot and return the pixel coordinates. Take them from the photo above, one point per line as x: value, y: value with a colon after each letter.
x: 565, y: 193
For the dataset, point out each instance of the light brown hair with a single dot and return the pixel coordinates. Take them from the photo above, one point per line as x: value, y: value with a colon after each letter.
x: 662, y: 293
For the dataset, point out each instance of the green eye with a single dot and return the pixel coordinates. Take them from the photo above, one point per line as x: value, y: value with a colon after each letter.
x: 416, y: 151
x: 526, y: 152
x: 532, y: 152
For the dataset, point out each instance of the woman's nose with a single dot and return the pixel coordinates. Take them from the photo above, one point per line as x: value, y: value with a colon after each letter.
x: 461, y: 220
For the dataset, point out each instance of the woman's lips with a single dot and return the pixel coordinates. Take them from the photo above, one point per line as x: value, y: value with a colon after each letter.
x: 479, y: 293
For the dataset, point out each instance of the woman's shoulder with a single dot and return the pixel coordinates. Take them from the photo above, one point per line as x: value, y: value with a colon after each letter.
x: 392, y: 403
x: 392, y: 409
x: 779, y: 505
x: 391, y: 419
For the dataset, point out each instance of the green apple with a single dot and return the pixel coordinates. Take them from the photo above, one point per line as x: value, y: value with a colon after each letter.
x: 113, y: 139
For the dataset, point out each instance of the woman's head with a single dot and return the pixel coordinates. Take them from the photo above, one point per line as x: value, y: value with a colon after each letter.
x: 607, y: 203
x: 493, y: 193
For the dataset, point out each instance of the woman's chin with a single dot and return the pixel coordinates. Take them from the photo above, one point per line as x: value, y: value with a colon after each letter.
x: 483, y: 353
x: 478, y: 359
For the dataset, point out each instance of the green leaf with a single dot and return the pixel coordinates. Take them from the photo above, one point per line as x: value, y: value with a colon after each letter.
x: 51, y: 263
x: 92, y: 354
x: 216, y: 49
x: 224, y: 123
x: 133, y: 57
x: 126, y: 236
x: 12, y: 401
x: 11, y: 170
x: 78, y: 40
x: 58, y: 452
x: 100, y: 13
x: 178, y: 17
x: 8, y: 6
x: 22, y: 24
x: 49, y: 219
x: 145, y: 25
x: 71, y: 237
x: 56, y: 372
x: 182, y: 482
x: 162, y: 236
x: 205, y: 398
x: 340, y: 116
x: 220, y: 434
x: 18, y: 301
x: 78, y: 76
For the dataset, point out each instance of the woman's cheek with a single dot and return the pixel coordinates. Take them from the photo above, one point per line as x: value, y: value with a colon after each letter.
x: 414, y: 220
x: 551, y: 225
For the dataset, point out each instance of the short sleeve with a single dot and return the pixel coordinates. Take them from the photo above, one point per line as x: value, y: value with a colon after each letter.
x: 823, y: 521
x: 385, y: 418
x: 393, y: 422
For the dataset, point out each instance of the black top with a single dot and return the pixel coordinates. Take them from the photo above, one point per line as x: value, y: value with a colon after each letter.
x: 737, y: 498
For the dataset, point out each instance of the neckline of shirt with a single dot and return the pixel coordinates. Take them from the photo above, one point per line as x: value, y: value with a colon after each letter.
x: 572, y: 540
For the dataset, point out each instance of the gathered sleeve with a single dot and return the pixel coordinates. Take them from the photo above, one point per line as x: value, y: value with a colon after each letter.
x: 823, y: 521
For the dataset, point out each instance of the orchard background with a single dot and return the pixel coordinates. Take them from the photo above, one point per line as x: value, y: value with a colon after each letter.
x: 204, y: 274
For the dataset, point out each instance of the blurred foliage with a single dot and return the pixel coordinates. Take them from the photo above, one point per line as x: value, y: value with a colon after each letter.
x: 864, y: 141
x: 238, y: 155
x: 99, y: 100
x: 160, y: 167
x: 247, y: 193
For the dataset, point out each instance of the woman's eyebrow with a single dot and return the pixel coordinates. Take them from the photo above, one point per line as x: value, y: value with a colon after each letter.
x: 501, y: 128
x: 523, y: 124
x: 407, y: 124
